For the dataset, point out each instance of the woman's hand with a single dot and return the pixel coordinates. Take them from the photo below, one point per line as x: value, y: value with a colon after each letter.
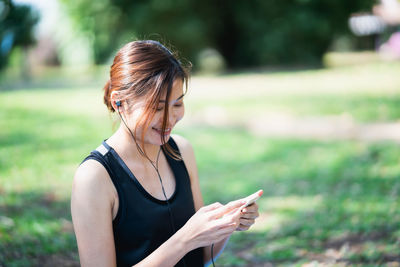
x: 212, y: 223
x: 248, y: 217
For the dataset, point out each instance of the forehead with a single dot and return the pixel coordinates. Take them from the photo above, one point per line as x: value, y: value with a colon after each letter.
x: 176, y: 92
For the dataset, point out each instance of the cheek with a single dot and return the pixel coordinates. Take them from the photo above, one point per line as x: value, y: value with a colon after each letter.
x: 157, y: 119
x: 134, y: 119
x: 180, y: 114
x: 131, y: 121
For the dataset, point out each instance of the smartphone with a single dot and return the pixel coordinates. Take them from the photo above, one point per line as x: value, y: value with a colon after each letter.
x: 249, y: 200
x: 252, y: 198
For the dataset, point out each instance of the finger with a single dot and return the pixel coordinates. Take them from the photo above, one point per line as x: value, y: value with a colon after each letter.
x: 219, y: 212
x: 233, y: 211
x: 251, y: 208
x: 248, y: 215
x: 242, y: 228
x: 258, y: 193
x: 246, y: 222
x: 228, y: 220
x: 212, y: 206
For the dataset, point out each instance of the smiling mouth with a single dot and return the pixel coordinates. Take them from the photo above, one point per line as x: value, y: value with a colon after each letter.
x: 159, y: 131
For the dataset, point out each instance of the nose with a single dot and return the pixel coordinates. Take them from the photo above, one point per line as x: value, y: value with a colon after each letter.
x: 174, y: 115
x: 171, y: 117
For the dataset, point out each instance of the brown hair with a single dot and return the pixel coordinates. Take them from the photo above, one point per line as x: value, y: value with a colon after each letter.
x: 146, y: 69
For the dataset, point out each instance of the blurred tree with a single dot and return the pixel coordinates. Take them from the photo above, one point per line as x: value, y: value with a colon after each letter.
x: 246, y: 33
x: 111, y: 23
x: 254, y: 33
x: 16, y: 28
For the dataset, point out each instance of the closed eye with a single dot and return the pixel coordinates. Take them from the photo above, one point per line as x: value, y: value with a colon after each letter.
x: 175, y: 105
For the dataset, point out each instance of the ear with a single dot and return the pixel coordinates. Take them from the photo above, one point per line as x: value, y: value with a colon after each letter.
x: 114, y: 97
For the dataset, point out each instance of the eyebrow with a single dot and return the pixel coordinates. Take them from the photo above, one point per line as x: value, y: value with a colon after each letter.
x: 179, y: 98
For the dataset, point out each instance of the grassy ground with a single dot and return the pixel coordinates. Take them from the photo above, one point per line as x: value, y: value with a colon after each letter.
x: 333, y: 202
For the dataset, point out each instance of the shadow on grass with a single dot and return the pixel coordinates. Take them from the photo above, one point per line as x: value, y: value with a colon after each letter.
x: 36, y: 230
x: 38, y: 153
x: 331, y: 202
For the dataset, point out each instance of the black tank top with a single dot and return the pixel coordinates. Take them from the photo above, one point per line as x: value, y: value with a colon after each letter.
x: 143, y: 222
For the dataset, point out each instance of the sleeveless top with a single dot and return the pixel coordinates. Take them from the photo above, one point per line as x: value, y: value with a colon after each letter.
x: 143, y: 223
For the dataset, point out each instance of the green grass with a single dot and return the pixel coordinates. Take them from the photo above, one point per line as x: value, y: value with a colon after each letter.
x: 367, y: 93
x: 318, y: 196
x: 361, y: 107
x: 322, y: 200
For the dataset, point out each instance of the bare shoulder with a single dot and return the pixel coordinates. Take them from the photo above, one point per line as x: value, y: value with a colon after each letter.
x: 189, y: 159
x: 90, y: 173
x: 91, y: 181
x: 185, y: 147
x: 188, y: 155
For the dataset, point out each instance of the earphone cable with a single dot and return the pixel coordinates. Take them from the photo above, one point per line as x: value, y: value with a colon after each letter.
x: 212, y: 254
x: 155, y: 166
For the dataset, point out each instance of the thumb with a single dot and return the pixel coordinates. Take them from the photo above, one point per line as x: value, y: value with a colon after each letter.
x: 221, y: 211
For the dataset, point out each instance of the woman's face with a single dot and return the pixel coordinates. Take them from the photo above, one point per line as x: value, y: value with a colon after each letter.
x: 176, y: 111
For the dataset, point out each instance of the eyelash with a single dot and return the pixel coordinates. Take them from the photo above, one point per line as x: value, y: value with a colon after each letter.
x: 176, y: 105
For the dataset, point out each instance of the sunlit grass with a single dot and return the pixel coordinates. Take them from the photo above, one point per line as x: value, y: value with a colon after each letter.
x: 365, y: 93
x: 321, y: 199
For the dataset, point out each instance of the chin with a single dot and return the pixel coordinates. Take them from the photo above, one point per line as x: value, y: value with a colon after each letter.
x: 156, y: 137
x: 157, y: 141
x: 167, y: 137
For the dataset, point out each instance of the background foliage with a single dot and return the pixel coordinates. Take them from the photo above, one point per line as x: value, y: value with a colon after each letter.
x: 246, y: 33
x: 16, y: 28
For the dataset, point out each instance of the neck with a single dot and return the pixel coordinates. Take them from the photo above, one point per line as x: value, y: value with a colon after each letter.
x: 123, y: 142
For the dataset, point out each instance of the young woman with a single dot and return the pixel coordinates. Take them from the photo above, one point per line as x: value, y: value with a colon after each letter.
x: 136, y: 199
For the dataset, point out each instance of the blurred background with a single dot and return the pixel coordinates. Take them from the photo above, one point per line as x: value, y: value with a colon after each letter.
x: 299, y: 98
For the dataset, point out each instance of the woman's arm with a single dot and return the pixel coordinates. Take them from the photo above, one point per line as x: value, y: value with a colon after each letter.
x: 201, y: 229
x: 92, y: 203
x: 91, y: 210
